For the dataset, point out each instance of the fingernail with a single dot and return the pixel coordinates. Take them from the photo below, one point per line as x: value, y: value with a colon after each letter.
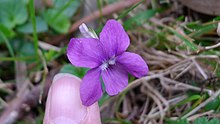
x: 64, y: 105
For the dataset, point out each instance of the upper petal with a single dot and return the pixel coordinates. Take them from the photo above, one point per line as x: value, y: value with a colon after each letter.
x: 133, y: 63
x: 85, y: 52
x: 114, y: 38
x: 91, y: 87
x: 115, y: 79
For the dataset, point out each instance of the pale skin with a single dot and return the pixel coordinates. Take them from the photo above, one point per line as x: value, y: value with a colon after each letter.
x: 64, y: 105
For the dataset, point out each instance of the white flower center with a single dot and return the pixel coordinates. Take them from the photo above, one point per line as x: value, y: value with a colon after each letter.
x: 111, y: 62
x: 106, y: 64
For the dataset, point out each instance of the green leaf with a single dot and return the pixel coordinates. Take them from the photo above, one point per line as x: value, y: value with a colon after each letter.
x: 79, y: 72
x: 8, y: 33
x: 25, y: 1
x: 139, y: 19
x: 27, y: 28
x: 202, y: 120
x: 59, y: 23
x: 12, y: 13
x: 70, y: 9
x: 181, y: 121
x: 24, y: 48
x: 58, y: 17
x: 189, y: 99
x: 202, y: 29
x: 214, y: 121
x: 214, y: 64
x: 49, y: 55
x: 213, y: 105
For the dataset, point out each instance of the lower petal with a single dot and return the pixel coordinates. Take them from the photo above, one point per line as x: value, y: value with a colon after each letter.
x: 115, y: 79
x: 133, y: 63
x: 91, y: 87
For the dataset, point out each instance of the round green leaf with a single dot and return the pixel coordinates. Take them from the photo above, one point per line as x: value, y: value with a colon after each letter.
x: 58, y: 22
x: 70, y: 10
x: 12, y: 13
x: 41, y: 26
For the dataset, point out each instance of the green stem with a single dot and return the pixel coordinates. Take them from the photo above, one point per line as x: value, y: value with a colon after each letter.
x: 7, y: 44
x: 100, y: 8
x: 15, y: 58
x: 128, y: 10
x: 33, y: 20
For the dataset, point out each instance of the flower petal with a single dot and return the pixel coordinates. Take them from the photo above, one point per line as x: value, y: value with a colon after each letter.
x: 115, y: 79
x: 133, y: 63
x: 114, y: 38
x: 91, y: 87
x: 85, y: 52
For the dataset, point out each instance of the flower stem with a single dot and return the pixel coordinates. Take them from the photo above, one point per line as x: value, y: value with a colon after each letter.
x: 33, y: 21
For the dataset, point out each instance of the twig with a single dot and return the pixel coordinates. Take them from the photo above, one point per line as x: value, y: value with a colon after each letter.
x: 45, y: 72
x: 12, y: 113
x: 159, y: 104
x: 47, y: 46
x: 144, y: 111
x: 200, y: 69
x: 183, y: 85
x: 15, y: 108
x: 20, y: 73
x: 140, y: 80
x: 184, y: 71
x: 164, y: 101
x: 199, y: 115
x: 212, y: 47
x: 160, y: 101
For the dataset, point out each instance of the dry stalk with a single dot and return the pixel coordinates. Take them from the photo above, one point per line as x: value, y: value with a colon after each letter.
x: 192, y: 118
x: 182, y: 86
x: 216, y: 94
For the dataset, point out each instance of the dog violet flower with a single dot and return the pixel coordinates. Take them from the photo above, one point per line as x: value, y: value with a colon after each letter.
x: 107, y: 58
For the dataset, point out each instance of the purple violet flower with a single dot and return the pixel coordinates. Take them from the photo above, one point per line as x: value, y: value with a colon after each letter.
x: 107, y: 58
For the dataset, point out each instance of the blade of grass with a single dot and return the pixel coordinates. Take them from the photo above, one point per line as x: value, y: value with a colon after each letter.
x: 33, y: 21
x: 203, y: 30
x: 63, y: 8
x: 99, y: 2
x: 194, y: 105
x: 15, y: 58
x: 187, y: 40
x: 189, y: 99
x: 128, y: 10
x: 7, y: 44
x: 45, y: 72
